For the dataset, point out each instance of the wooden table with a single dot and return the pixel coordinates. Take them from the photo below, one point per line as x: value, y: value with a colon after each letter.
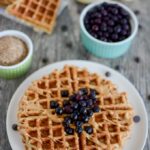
x: 64, y: 45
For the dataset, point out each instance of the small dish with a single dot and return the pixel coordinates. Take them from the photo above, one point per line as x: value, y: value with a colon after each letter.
x: 107, y: 49
x: 14, y: 71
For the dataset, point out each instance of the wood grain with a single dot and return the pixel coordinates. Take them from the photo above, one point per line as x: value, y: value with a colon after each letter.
x: 64, y: 45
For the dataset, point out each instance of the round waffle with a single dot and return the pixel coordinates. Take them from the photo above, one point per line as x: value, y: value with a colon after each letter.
x: 42, y: 129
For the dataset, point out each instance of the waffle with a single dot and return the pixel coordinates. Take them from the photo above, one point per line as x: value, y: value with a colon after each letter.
x: 6, y: 2
x: 42, y: 129
x: 40, y: 14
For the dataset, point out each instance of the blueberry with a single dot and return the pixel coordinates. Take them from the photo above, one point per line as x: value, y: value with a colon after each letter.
x: 117, y: 29
x: 85, y: 118
x: 117, y: 67
x: 104, y: 27
x: 111, y: 23
x: 67, y: 121
x: 45, y: 60
x: 103, y: 39
x: 121, y: 38
x: 100, y: 34
x: 92, y: 22
x: 83, y: 110
x: 79, y: 130
x: 140, y: 27
x: 124, y: 13
x: 126, y: 27
x: 82, y: 103
x: 137, y: 59
x: 84, y: 91
x: 136, y: 119
x: 96, y: 109
x: 15, y: 127
x: 95, y: 27
x: 104, y: 4
x: 94, y: 100
x: 104, y: 13
x: 107, y: 74
x: 124, y: 21
x: 115, y: 11
x: 78, y: 123
x: 67, y: 109
x: 59, y: 111
x: 137, y: 12
x: 90, y: 112
x: 92, y: 93
x: 115, y: 18
x: 69, y: 130
x: 72, y: 97
x: 106, y: 35
x: 114, y: 37
x: 89, y: 102
x: 98, y: 21
x: 124, y: 32
x: 74, y: 105
x: 97, y: 15
x: 106, y: 19
x: 69, y: 45
x: 65, y: 93
x: 66, y: 102
x: 110, y: 29
x: 148, y: 97
x: 86, y: 21
x: 128, y: 32
x: 85, y: 97
x: 88, y: 27
x: 64, y: 28
x: 74, y: 116
x: 53, y: 104
x: 89, y: 129
x: 79, y: 97
x: 120, y: 17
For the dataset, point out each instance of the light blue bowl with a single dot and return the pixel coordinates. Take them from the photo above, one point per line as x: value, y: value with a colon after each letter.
x: 104, y: 49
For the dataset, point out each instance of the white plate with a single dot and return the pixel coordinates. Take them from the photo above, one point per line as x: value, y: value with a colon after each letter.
x: 139, y: 130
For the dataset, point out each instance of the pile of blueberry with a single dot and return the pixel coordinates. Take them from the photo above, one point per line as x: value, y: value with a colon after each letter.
x: 108, y: 22
x: 78, y: 109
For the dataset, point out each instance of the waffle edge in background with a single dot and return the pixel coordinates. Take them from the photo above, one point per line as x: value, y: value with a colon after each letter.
x: 40, y: 14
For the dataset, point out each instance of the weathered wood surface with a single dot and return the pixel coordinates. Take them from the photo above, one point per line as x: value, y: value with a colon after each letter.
x: 66, y: 45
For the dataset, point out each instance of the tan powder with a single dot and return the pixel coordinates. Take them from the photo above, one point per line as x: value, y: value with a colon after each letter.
x: 12, y: 50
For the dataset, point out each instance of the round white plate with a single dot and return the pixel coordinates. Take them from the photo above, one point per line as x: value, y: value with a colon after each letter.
x: 137, y: 139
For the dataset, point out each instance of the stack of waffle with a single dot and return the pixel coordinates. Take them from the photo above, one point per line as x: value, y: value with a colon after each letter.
x: 42, y: 129
x: 40, y: 14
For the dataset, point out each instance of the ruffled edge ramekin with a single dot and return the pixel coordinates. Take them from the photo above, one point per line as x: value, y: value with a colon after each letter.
x: 104, y: 49
x: 17, y: 70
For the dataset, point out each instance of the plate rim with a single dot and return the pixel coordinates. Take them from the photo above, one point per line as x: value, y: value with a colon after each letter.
x: 65, y: 62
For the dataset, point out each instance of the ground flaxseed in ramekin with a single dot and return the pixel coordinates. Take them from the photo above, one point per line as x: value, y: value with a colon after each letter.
x: 12, y: 50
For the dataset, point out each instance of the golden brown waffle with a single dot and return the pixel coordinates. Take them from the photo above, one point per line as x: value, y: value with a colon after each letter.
x: 6, y: 2
x: 40, y: 14
x: 42, y: 129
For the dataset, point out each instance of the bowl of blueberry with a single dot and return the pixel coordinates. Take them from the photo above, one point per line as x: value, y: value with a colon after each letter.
x: 107, y: 29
